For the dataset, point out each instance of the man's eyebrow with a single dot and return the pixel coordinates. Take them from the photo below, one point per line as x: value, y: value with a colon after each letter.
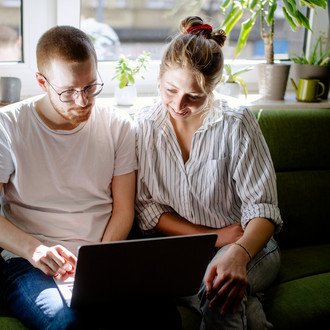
x: 71, y: 88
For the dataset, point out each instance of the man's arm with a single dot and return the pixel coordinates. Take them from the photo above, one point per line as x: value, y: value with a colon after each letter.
x: 51, y: 260
x: 121, y: 221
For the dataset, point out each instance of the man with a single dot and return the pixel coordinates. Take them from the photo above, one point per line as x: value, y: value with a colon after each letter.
x: 67, y: 176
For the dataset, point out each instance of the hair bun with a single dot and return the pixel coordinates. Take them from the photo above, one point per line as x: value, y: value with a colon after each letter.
x: 190, y: 22
x: 219, y: 36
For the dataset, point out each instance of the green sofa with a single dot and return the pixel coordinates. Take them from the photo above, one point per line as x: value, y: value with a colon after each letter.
x: 299, y: 141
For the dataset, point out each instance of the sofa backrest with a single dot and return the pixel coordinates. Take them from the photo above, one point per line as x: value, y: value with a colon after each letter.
x: 299, y: 142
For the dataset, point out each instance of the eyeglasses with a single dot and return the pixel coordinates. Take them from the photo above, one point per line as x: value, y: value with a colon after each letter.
x: 69, y: 95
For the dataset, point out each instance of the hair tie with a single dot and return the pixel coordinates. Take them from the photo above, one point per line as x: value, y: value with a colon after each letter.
x: 200, y: 27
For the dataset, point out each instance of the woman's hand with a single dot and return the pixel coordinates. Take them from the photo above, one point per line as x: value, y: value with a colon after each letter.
x: 229, y: 235
x: 226, y: 279
x: 53, y: 261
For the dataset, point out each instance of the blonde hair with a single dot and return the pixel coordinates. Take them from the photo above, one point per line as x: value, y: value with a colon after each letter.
x: 65, y: 43
x: 198, y: 48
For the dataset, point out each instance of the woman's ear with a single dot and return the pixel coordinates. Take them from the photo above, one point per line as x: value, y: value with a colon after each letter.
x: 41, y: 81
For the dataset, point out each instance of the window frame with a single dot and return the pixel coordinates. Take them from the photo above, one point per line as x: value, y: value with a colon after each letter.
x: 40, y: 15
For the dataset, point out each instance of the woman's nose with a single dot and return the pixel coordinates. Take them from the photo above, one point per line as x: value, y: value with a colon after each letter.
x: 180, y: 102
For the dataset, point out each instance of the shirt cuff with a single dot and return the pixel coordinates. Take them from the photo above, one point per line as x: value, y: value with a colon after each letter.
x: 149, y: 217
x: 268, y: 211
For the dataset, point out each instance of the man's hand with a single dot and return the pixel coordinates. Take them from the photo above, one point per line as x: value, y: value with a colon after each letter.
x: 54, y: 261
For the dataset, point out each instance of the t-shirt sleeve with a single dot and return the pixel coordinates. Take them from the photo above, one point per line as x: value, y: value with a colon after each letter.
x: 6, y: 161
x: 124, y: 136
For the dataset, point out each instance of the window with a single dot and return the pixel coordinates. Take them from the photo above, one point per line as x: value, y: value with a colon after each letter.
x: 10, y: 31
x: 126, y: 26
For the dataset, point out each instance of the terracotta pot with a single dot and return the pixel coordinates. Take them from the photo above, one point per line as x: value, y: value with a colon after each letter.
x: 306, y: 71
x: 272, y: 81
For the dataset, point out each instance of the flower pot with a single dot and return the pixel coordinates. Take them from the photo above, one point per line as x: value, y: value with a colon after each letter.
x: 126, y: 95
x: 230, y: 89
x: 307, y: 71
x: 272, y: 80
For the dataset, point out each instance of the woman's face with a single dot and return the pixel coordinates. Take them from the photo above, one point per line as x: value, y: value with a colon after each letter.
x: 182, y: 95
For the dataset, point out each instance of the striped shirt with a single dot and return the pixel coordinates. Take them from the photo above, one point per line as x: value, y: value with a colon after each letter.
x: 228, y: 178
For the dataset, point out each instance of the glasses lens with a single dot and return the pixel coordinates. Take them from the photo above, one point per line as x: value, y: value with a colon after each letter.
x: 93, y: 90
x: 68, y: 96
x: 90, y: 91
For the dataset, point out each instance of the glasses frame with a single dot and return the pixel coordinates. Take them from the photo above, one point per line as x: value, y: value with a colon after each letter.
x: 77, y: 92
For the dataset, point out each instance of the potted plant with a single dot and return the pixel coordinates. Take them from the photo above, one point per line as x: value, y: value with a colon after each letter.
x: 269, y: 72
x: 125, y: 72
x: 316, y: 66
x: 231, y: 83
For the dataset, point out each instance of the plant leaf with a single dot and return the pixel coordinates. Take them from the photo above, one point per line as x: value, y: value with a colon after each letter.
x: 242, y: 71
x: 289, y: 19
x: 226, y: 3
x: 252, y: 4
x: 271, y: 11
x: 122, y: 84
x: 242, y: 82
x: 244, y: 33
x: 232, y: 17
x: 304, y: 20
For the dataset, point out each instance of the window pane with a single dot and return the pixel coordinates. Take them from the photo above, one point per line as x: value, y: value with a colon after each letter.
x: 10, y: 30
x: 131, y: 26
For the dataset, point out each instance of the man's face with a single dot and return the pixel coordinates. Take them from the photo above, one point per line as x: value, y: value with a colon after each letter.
x: 67, y: 76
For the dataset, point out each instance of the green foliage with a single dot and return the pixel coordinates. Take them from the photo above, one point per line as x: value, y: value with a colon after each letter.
x: 230, y: 77
x: 317, y: 57
x: 125, y: 71
x: 234, y: 10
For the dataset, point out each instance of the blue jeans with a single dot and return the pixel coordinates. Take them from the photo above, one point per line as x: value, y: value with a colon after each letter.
x: 33, y: 297
x: 261, y: 272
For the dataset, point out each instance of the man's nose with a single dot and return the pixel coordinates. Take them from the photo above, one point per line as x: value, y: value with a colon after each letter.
x: 81, y: 99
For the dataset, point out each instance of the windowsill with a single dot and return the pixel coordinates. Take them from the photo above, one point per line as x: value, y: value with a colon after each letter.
x: 290, y: 102
x: 253, y: 101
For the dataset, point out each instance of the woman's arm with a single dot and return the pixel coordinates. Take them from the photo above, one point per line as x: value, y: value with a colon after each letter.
x: 226, y: 279
x: 173, y: 224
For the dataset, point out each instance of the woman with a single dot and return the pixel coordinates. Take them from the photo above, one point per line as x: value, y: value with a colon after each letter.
x: 205, y: 167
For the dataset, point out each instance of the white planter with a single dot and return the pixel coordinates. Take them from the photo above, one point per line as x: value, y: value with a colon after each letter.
x: 230, y: 89
x: 126, y: 95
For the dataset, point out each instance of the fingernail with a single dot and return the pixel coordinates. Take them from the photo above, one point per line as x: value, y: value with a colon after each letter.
x: 67, y: 267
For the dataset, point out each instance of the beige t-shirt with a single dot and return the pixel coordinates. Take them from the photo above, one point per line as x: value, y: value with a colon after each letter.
x: 57, y: 184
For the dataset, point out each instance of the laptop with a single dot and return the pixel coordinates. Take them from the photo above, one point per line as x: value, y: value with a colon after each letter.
x: 167, y: 266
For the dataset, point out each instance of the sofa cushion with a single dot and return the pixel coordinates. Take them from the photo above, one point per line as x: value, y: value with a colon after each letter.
x: 303, y: 199
x: 191, y: 319
x: 301, y: 304
x: 304, y: 261
x: 11, y: 323
x: 297, y: 139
